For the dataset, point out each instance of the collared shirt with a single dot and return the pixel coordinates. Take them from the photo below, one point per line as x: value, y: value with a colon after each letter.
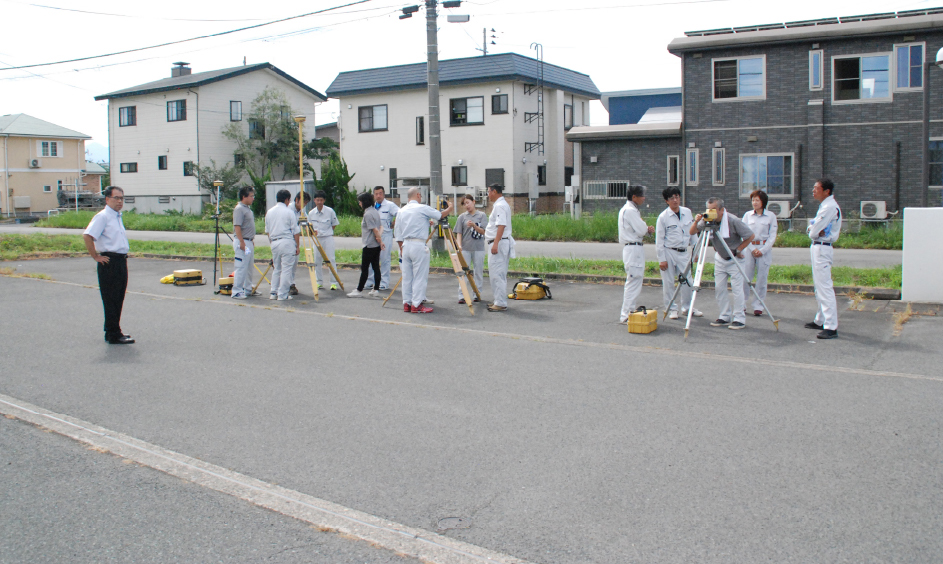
x: 388, y: 211
x: 243, y: 217
x: 281, y: 222
x: 412, y: 221
x: 673, y: 231
x: 500, y: 215
x: 738, y: 232
x: 323, y: 221
x: 829, y: 215
x: 631, y: 226
x: 765, y: 227
x: 107, y: 229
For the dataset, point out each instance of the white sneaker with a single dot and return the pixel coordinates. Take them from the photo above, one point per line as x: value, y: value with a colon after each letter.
x: 285, y: 299
x: 355, y: 294
x: 273, y: 296
x: 697, y: 313
x: 673, y: 314
x: 239, y: 296
x: 373, y: 294
x: 428, y: 301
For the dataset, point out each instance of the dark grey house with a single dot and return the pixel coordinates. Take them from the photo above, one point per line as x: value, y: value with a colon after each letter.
x: 775, y: 107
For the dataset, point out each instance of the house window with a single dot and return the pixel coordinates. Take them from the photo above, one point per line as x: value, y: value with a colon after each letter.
x: 691, y: 172
x: 467, y: 111
x: 567, y: 116
x: 910, y: 66
x: 163, y: 199
x: 605, y: 189
x: 50, y: 148
x: 421, y: 130
x: 673, y: 166
x: 936, y: 163
x: 188, y: 168
x: 177, y: 110
x: 459, y: 176
x: 861, y: 78
x: 235, y: 111
x: 499, y: 104
x: 718, y: 166
x: 542, y: 175
x: 47, y: 188
x: 739, y: 78
x: 59, y: 185
x: 373, y: 118
x: 238, y: 160
x: 129, y: 167
x: 162, y: 162
x: 127, y: 115
x: 815, y: 70
x: 256, y: 129
x: 771, y: 173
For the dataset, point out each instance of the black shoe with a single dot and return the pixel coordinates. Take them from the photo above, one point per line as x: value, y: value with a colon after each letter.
x: 719, y: 323
x: 109, y: 336
x: 292, y: 291
x: 827, y: 334
x: 813, y: 325
x: 121, y: 340
x: 736, y: 325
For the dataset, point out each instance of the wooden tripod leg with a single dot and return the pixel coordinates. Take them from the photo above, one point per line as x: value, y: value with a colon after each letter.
x: 325, y: 258
x: 267, y: 268
x: 395, y: 286
x: 469, y: 274
x: 459, y: 272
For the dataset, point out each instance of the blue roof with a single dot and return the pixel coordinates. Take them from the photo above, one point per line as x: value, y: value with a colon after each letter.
x: 453, y: 72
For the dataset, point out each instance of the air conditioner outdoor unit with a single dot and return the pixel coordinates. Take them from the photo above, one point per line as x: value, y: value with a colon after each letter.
x: 35, y: 163
x: 780, y: 209
x: 481, y: 197
x: 873, y: 210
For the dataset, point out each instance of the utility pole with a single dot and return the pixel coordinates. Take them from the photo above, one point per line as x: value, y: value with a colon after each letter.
x: 432, y: 68
x: 484, y: 42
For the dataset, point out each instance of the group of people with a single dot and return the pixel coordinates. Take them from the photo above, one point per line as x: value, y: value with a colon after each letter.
x: 749, y: 241
x: 742, y: 250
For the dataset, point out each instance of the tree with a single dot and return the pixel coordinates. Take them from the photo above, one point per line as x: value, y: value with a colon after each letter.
x: 334, y: 182
x: 106, y: 178
x: 230, y: 175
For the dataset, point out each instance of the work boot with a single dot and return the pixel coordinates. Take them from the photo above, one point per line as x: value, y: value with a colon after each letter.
x: 293, y: 291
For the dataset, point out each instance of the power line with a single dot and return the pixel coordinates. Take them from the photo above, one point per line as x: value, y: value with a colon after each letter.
x: 623, y: 6
x: 187, y: 40
x: 127, y: 15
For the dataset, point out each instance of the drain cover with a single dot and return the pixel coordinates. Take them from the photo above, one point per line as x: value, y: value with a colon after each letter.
x: 453, y: 523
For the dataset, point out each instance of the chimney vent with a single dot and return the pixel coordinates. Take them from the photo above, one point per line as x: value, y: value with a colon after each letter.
x: 181, y: 69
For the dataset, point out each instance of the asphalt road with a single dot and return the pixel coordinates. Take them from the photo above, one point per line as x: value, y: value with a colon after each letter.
x: 554, y: 433
x: 861, y: 258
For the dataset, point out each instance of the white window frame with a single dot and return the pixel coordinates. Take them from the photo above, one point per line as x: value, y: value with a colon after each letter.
x: 891, y: 79
x: 688, y: 170
x: 50, y: 148
x: 908, y: 88
x: 715, y: 170
x: 738, y: 98
x: 677, y: 161
x: 47, y: 189
x: 792, y: 176
x: 821, y: 73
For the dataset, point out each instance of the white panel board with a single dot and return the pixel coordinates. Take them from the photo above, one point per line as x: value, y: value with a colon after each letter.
x: 923, y: 261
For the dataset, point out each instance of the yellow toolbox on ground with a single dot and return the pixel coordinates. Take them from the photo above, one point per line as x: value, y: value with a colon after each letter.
x: 188, y: 277
x: 530, y: 289
x: 225, y: 285
x: 643, y: 321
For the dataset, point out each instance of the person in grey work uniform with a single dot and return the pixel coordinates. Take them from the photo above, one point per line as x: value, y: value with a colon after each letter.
x: 500, y: 247
x: 323, y: 220
x: 281, y: 224
x: 297, y: 208
x: 411, y: 232
x: 738, y: 237
x: 243, y: 228
x: 672, y: 239
x: 470, y: 238
x: 387, y: 211
x: 759, y: 256
x: 107, y: 243
x: 824, y: 230
x: 631, y: 230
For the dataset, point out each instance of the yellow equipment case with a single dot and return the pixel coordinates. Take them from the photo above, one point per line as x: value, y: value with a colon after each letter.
x: 643, y: 321
x: 532, y: 288
x: 188, y: 277
x: 225, y: 285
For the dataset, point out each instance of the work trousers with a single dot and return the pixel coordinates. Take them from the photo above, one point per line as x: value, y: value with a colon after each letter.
x: 677, y: 262
x: 242, y: 281
x: 328, y: 244
x: 283, y: 261
x: 112, y: 284
x: 415, y: 272
x: 476, y: 262
x: 370, y: 257
x: 827, y: 313
x: 633, y: 258
x: 294, y: 267
x: 759, y: 267
x: 498, y: 271
x: 725, y: 270
x: 385, y: 258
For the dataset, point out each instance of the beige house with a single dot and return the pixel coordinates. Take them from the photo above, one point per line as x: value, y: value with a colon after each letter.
x: 37, y: 159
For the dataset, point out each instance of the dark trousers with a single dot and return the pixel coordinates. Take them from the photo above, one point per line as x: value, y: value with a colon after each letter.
x: 370, y: 257
x: 112, y: 283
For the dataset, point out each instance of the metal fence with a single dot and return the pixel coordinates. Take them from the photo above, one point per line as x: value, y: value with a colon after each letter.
x: 605, y: 189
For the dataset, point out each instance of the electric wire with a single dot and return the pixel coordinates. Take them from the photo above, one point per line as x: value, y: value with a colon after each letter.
x: 59, y: 8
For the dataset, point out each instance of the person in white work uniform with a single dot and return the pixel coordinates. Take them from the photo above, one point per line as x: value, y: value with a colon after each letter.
x: 281, y: 225
x: 824, y: 231
x: 297, y: 208
x: 631, y: 230
x: 470, y: 239
x: 107, y: 243
x: 500, y: 246
x: 323, y: 220
x: 243, y: 243
x: 388, y: 211
x: 672, y: 239
x: 411, y: 232
x: 759, y: 255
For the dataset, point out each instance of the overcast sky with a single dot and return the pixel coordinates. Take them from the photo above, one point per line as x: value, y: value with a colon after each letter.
x: 621, y: 44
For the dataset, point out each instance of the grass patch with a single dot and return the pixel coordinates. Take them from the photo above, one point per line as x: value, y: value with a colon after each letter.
x: 14, y: 274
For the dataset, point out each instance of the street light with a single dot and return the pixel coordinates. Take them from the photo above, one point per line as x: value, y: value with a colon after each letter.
x: 925, y: 196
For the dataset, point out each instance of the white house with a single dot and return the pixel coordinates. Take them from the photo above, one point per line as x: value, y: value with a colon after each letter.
x: 489, y: 121
x: 159, y: 130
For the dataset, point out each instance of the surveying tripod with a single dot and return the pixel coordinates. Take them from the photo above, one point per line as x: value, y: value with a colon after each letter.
x: 308, y: 243
x: 459, y: 265
x: 711, y: 229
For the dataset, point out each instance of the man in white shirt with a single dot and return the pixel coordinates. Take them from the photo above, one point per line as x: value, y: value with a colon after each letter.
x: 824, y: 230
x: 500, y: 246
x: 412, y: 230
x: 281, y: 225
x: 107, y: 243
x: 759, y: 255
x: 323, y: 220
x: 388, y: 211
x: 672, y: 239
x: 631, y: 230
x: 297, y: 208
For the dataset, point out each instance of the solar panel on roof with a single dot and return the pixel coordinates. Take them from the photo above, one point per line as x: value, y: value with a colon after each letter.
x: 868, y: 17
x: 719, y: 31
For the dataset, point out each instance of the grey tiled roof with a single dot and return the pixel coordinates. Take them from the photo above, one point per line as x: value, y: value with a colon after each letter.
x: 201, y: 78
x: 471, y: 70
x: 22, y: 125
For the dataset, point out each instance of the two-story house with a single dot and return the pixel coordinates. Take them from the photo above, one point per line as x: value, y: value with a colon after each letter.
x: 159, y: 130
x: 493, y: 129
x: 775, y: 107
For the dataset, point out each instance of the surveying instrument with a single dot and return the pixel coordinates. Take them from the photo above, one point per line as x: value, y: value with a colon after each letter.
x: 711, y: 229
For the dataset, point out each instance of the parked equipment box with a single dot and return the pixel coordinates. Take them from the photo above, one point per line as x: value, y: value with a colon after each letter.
x: 189, y: 277
x: 225, y: 285
x: 643, y: 321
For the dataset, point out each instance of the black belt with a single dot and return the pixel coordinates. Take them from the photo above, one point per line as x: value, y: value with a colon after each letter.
x: 492, y: 240
x: 679, y: 250
x: 639, y: 244
x: 821, y: 243
x: 114, y: 255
